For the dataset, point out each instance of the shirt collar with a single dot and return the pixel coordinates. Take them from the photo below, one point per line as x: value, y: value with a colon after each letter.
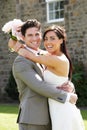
x: 32, y: 50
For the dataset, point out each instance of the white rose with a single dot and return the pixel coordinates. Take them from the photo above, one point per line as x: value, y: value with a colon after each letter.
x: 7, y: 27
x: 14, y: 26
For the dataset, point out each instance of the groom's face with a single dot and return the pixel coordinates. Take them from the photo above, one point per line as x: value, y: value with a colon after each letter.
x: 33, y: 38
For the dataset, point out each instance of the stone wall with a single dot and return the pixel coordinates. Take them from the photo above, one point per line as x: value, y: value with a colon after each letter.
x: 76, y: 27
x: 7, y: 13
x: 75, y: 24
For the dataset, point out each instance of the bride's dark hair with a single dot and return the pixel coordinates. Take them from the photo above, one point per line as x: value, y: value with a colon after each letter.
x: 61, y: 34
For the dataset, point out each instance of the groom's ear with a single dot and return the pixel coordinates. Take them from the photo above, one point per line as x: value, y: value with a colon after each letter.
x: 23, y: 37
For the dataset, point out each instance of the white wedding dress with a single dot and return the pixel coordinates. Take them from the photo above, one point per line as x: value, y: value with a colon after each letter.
x: 64, y: 116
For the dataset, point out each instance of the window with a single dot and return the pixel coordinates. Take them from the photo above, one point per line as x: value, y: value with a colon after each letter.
x: 55, y: 10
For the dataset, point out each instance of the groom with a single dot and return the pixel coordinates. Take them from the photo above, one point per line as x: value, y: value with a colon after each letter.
x: 33, y: 91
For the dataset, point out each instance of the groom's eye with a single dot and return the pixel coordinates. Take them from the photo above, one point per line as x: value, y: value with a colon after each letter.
x: 30, y: 35
x: 37, y: 34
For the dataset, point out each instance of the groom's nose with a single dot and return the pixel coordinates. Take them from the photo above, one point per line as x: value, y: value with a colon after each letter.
x: 34, y: 38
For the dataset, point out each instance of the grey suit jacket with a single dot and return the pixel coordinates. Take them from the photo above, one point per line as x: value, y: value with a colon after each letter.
x: 33, y: 92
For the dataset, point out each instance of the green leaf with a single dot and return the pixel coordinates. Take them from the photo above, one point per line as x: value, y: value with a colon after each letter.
x: 12, y: 37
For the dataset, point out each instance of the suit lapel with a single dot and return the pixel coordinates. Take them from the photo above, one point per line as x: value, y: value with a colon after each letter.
x: 39, y: 69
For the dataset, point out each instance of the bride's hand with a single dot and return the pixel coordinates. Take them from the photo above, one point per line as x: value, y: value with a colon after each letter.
x: 17, y: 46
x: 11, y: 43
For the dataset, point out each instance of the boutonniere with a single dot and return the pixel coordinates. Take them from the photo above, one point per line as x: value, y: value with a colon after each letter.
x: 42, y: 52
x: 13, y: 28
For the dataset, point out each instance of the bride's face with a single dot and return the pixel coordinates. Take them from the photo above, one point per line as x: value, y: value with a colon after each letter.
x: 52, y: 43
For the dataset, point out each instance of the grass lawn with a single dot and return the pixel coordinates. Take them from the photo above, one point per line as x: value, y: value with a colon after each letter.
x: 8, y: 116
x: 84, y: 115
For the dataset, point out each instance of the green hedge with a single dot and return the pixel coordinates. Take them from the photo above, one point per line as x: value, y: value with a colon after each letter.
x: 79, y: 80
x: 11, y: 88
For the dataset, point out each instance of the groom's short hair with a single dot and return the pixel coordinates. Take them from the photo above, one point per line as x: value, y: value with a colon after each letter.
x: 29, y: 24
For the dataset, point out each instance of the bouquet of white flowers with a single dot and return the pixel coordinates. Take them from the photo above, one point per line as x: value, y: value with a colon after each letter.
x: 14, y: 29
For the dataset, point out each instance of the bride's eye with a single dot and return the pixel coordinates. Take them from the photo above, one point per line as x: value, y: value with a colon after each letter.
x: 52, y: 38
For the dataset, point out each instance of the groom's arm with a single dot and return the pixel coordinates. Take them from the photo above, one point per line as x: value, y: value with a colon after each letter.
x: 25, y: 71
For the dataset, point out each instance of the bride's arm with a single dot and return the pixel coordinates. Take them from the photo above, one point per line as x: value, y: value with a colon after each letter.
x: 47, y: 60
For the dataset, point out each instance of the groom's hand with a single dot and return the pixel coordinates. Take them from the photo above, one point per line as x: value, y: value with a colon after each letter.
x: 68, y: 86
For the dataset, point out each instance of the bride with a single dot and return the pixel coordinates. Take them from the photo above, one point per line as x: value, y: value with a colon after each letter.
x: 57, y: 70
